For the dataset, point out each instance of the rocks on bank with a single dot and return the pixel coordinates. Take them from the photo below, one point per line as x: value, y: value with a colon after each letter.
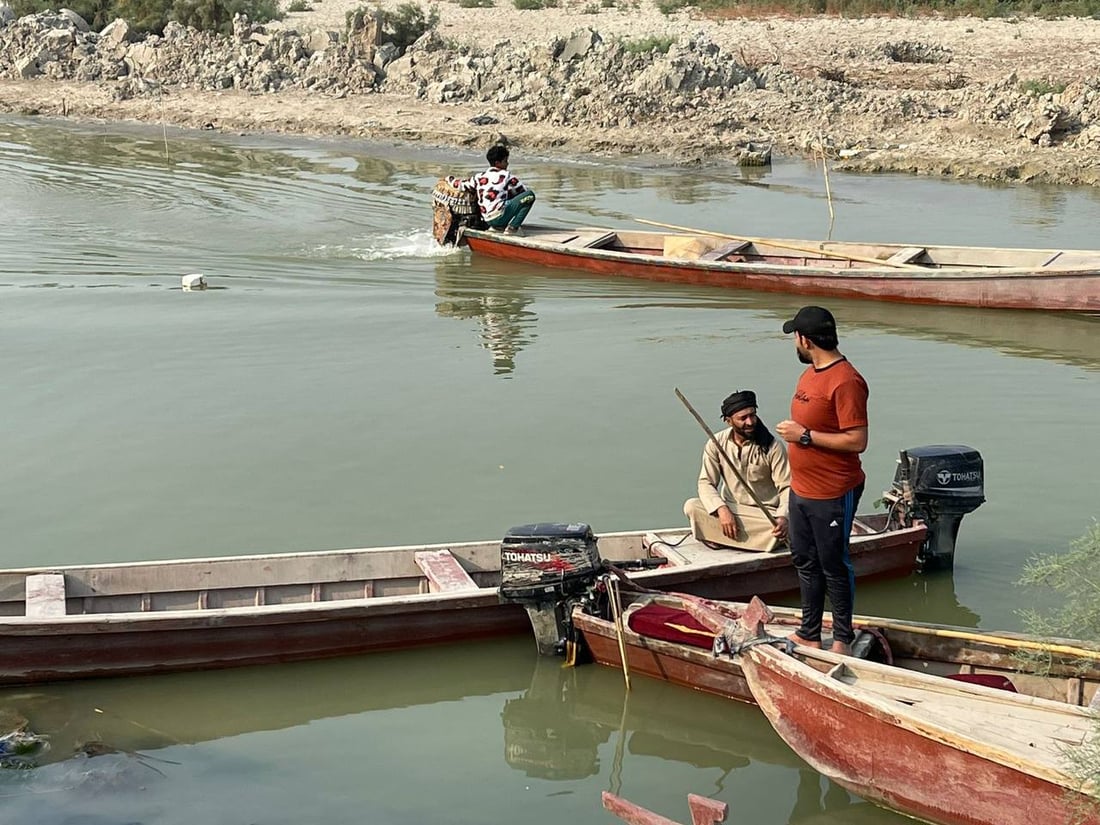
x: 888, y: 105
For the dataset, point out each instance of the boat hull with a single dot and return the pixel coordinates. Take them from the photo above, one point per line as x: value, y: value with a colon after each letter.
x: 863, y: 748
x: 1074, y: 289
x: 917, y: 646
x: 153, y: 617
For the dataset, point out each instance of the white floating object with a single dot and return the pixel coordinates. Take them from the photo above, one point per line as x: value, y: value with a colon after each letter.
x: 193, y: 281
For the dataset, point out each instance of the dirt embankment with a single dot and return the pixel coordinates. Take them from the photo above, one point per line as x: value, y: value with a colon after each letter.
x: 991, y: 99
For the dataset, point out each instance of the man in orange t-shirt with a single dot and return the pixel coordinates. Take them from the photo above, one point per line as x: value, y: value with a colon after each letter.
x: 827, y: 431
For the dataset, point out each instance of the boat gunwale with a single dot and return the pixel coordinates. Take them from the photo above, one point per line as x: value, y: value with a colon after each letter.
x: 977, y: 274
x: 882, y: 711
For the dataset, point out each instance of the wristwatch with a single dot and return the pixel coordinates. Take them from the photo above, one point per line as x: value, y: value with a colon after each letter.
x: 805, y: 440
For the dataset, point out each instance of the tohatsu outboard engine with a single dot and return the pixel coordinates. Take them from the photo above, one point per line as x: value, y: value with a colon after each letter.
x: 547, y: 567
x: 938, y: 484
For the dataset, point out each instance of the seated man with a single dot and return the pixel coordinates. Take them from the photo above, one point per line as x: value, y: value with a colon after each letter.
x: 725, y: 514
x: 504, y: 201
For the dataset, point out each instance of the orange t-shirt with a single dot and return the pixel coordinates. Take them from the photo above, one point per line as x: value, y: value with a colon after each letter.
x: 827, y: 400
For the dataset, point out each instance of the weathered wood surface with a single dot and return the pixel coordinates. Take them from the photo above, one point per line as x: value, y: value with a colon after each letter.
x: 941, y: 751
x: 1044, y: 279
x: 185, y: 614
x: 915, y: 646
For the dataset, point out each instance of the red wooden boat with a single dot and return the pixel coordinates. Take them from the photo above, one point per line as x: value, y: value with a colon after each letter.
x: 671, y: 637
x: 1049, y: 279
x: 936, y: 749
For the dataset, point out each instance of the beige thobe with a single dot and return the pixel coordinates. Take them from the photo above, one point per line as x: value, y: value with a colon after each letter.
x: 770, y: 477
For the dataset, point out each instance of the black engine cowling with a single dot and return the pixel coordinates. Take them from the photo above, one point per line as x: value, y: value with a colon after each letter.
x: 547, y: 567
x: 939, y: 484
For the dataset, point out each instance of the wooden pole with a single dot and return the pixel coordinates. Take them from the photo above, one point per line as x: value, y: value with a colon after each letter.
x: 729, y: 461
x: 617, y: 615
x: 808, y: 250
x: 1006, y: 641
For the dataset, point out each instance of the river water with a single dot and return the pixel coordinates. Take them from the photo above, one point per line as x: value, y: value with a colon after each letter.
x: 344, y: 383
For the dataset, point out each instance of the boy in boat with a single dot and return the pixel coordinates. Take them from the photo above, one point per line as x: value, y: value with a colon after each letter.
x: 504, y: 201
x: 725, y: 513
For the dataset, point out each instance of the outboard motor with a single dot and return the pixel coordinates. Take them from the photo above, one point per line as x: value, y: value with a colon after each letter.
x: 938, y: 484
x: 548, y: 567
x: 453, y: 209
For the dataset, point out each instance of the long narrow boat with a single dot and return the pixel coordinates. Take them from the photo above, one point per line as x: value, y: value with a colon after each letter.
x: 663, y: 639
x: 939, y: 750
x: 1048, y: 279
x: 190, y: 614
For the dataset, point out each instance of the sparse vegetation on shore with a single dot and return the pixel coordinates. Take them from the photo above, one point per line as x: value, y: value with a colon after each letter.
x: 1073, y: 578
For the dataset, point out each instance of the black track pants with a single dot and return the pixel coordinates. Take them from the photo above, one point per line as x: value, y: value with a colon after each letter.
x: 820, y: 529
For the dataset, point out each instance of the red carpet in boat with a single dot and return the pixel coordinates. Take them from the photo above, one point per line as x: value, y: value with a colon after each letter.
x: 670, y: 624
x: 990, y: 680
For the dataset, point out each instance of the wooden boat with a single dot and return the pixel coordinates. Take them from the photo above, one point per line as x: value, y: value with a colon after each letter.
x: 664, y: 639
x: 935, y: 749
x: 147, y: 617
x: 1049, y: 279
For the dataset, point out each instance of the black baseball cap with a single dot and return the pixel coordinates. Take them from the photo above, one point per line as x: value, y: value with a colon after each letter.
x: 811, y: 321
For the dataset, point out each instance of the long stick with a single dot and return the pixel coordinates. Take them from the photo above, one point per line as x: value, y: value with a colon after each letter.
x: 808, y: 250
x: 1006, y: 641
x: 729, y: 461
x: 617, y: 615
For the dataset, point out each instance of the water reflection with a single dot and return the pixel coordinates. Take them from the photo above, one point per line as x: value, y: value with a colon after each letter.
x: 147, y: 713
x: 498, y: 305
x: 557, y: 727
x: 500, y: 295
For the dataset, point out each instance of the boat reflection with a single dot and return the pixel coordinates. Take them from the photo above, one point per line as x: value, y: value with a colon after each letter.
x: 556, y: 729
x: 500, y: 296
x: 144, y: 713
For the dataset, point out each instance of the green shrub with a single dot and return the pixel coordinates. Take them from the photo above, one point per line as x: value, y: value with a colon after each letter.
x: 1070, y: 582
x: 217, y: 15
x: 476, y: 4
x: 403, y: 26
x: 299, y: 5
x: 1038, y: 88
x: 670, y: 6
x: 649, y: 44
x: 151, y: 16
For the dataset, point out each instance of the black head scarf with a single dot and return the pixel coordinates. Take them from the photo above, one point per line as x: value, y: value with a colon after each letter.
x: 738, y: 401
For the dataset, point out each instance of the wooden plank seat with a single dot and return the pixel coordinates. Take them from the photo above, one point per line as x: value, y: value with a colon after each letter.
x: 725, y: 251
x: 45, y: 595
x: 591, y: 240
x: 908, y: 255
x: 443, y: 571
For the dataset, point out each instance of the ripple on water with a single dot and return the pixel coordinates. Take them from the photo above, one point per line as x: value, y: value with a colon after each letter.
x: 390, y: 246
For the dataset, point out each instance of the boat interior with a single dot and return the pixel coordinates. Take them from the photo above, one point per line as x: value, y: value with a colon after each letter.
x: 315, y: 577
x: 705, y: 248
x: 1042, y: 730
x: 274, y: 579
x: 978, y: 658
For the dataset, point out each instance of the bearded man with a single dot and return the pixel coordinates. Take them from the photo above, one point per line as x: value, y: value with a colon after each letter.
x: 725, y: 513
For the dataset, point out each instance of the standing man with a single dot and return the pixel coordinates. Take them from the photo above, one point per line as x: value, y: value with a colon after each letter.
x: 725, y: 513
x: 503, y: 201
x: 827, y: 431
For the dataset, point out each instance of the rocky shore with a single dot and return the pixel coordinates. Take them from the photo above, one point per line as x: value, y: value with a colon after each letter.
x: 1004, y: 100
